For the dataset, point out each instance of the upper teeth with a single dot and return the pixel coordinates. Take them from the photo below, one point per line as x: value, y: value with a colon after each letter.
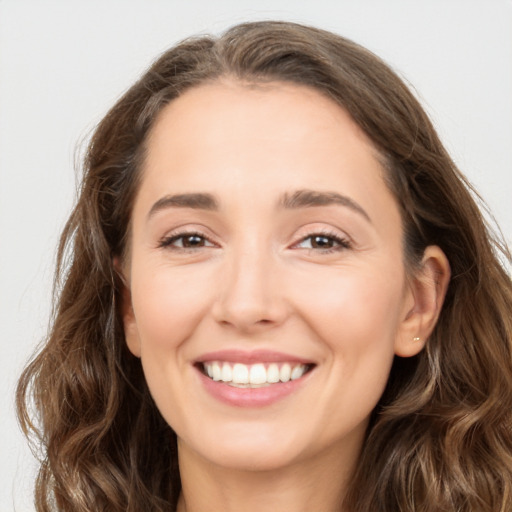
x: 255, y: 374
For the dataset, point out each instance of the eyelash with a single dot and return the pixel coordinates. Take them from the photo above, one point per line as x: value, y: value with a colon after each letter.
x: 168, y: 241
x: 340, y: 242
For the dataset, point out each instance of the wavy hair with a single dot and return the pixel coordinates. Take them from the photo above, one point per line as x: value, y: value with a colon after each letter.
x: 440, y: 438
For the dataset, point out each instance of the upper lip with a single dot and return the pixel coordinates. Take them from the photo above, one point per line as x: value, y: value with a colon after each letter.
x: 253, y: 356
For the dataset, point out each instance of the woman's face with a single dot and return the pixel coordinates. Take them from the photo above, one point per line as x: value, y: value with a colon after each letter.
x: 266, y: 251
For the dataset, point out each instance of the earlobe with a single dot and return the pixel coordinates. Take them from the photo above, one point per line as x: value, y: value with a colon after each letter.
x: 426, y: 291
x: 131, y: 333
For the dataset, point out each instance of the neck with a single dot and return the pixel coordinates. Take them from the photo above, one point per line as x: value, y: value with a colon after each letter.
x: 315, y: 484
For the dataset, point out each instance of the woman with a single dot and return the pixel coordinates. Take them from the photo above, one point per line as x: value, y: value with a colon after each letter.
x: 276, y: 291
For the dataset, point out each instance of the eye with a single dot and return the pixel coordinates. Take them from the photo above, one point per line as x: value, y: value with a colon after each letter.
x: 186, y: 241
x: 323, y: 242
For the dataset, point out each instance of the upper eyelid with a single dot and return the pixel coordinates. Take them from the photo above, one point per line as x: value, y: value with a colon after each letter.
x: 190, y: 229
x: 186, y: 235
x: 324, y: 231
x: 307, y: 231
x: 167, y: 239
x: 343, y: 241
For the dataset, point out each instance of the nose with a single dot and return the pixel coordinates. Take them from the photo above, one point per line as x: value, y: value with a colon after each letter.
x: 250, y: 296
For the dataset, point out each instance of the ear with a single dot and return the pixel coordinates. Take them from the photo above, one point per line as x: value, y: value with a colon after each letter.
x: 131, y: 332
x: 424, y: 300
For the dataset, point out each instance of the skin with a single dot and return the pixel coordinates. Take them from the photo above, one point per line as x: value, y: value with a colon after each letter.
x: 258, y: 277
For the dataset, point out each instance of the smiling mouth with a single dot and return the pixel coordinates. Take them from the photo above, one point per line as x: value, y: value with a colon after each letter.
x: 254, y: 375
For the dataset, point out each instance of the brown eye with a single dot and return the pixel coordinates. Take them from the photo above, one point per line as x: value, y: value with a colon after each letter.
x: 186, y: 241
x: 193, y: 241
x: 322, y: 242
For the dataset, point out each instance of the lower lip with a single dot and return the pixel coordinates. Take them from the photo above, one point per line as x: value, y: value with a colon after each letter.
x: 251, y: 397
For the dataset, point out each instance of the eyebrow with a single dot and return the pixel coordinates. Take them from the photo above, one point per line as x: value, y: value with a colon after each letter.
x: 299, y: 199
x: 310, y: 198
x: 197, y: 201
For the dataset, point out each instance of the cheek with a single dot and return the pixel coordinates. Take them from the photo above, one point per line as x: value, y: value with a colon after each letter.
x: 167, y: 306
x: 356, y: 316
x: 353, y: 314
x: 353, y: 305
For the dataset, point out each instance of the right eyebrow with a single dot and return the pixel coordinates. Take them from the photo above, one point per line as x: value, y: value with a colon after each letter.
x: 196, y: 200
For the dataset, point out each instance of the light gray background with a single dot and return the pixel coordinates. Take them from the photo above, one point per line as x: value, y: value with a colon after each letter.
x: 62, y: 64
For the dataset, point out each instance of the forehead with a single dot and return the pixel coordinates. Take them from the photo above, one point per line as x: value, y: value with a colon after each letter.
x: 240, y: 108
x: 242, y: 123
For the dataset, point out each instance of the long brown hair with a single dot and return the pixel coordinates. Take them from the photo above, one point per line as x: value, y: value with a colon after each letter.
x: 441, y: 437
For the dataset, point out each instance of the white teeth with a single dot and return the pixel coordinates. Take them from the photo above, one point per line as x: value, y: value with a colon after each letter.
x: 285, y: 373
x: 216, y: 371
x: 273, y: 373
x: 227, y: 373
x: 240, y: 374
x: 255, y: 375
x: 297, y: 372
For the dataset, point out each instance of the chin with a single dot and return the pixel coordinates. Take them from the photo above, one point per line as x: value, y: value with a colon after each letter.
x: 247, y: 451
x: 252, y: 460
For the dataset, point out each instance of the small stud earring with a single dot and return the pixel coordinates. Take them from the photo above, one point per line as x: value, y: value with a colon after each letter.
x: 416, y: 339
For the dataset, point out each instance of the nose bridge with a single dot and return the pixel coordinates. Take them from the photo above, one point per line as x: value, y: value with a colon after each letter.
x: 250, y: 295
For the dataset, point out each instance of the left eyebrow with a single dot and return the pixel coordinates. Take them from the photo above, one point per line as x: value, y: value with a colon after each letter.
x: 311, y: 198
